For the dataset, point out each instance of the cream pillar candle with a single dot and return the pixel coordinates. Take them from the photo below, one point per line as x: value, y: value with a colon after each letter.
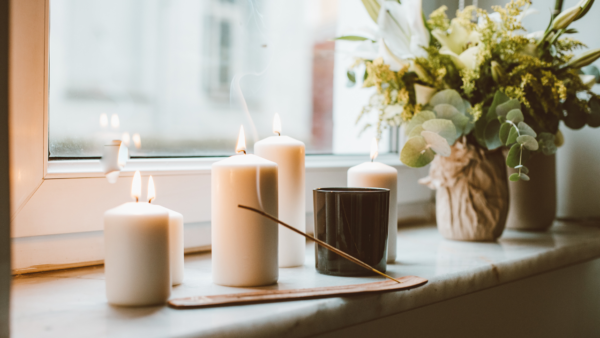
x: 176, y: 249
x: 136, y: 258
x: 379, y: 175
x: 244, y: 244
x: 289, y: 154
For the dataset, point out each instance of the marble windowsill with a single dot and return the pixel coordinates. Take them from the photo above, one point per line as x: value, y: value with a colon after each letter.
x: 71, y: 303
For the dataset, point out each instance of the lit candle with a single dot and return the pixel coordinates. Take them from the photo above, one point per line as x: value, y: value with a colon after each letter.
x: 289, y: 154
x: 378, y: 175
x: 244, y: 244
x: 176, y: 250
x: 136, y: 256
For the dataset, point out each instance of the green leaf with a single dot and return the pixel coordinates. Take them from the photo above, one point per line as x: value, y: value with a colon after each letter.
x: 352, y: 38
x: 576, y: 117
x: 415, y: 153
x: 514, y: 177
x: 437, y: 143
x: 593, y: 118
x: 416, y: 131
x: 504, y: 108
x: 502, y: 119
x: 512, y: 159
x: 499, y: 98
x: 525, y: 129
x: 418, y: 119
x: 515, y: 116
x: 351, y: 78
x: 547, y: 143
x: 524, y: 177
x: 448, y: 96
x: 528, y: 142
x: 444, y: 128
x: 372, y: 7
x: 492, y: 138
x: 504, y: 132
x: 445, y: 111
x: 512, y: 135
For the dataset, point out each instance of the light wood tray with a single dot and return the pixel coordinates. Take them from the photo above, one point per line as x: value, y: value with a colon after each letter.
x: 268, y: 296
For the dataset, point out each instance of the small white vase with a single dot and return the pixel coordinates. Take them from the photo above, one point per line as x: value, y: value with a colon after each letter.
x: 533, y: 203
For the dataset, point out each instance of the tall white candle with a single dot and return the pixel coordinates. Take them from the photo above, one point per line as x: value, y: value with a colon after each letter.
x: 379, y: 175
x: 176, y: 249
x: 136, y: 262
x: 244, y: 244
x: 289, y: 155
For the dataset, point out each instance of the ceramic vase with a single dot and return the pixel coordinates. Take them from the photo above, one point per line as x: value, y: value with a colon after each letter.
x: 533, y: 203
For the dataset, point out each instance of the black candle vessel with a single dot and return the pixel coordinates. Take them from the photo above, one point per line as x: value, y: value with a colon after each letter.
x: 355, y: 221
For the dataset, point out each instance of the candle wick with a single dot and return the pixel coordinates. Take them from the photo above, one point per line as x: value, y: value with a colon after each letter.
x: 137, y: 199
x: 150, y: 200
x: 372, y: 160
x: 244, y: 152
x: 278, y: 134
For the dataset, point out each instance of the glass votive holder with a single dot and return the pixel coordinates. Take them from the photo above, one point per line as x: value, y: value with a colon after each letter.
x: 355, y: 221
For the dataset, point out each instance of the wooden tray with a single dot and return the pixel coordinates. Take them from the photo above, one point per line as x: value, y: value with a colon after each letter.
x: 268, y: 296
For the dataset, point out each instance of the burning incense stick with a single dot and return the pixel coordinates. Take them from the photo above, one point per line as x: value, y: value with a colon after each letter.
x: 320, y: 242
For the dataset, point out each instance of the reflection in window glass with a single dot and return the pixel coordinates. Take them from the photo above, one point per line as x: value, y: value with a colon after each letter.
x: 172, y: 77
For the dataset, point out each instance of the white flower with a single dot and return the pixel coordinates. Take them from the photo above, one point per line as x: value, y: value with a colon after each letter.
x: 461, y: 44
x: 402, y: 28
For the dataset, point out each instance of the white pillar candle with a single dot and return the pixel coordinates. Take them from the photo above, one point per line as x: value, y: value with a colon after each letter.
x: 244, y: 244
x: 289, y: 155
x: 176, y: 249
x: 379, y: 175
x: 136, y: 261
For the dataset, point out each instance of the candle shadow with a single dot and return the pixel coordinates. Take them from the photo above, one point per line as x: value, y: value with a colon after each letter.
x: 132, y: 312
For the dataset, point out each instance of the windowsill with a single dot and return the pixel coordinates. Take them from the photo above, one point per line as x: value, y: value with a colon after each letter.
x: 200, y: 165
x: 71, y: 303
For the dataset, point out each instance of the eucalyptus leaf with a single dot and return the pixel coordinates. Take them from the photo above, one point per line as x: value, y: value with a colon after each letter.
x: 528, y: 142
x: 444, y: 128
x: 499, y: 98
x: 415, y: 152
x: 418, y: 119
x: 525, y: 129
x: 351, y: 78
x: 547, y: 143
x: 524, y: 177
x: 445, y: 111
x: 492, y: 138
x: 504, y: 108
x: 504, y: 132
x: 593, y: 118
x: 437, y: 143
x: 448, y: 96
x: 514, y: 154
x: 416, y: 131
x: 514, y: 177
x: 515, y: 116
x: 525, y: 170
x: 502, y: 119
x: 512, y: 135
x: 460, y: 123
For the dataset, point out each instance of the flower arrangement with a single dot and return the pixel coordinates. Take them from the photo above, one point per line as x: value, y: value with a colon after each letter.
x: 477, y: 79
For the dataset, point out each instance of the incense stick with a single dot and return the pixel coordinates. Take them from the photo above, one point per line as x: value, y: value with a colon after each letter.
x: 320, y: 242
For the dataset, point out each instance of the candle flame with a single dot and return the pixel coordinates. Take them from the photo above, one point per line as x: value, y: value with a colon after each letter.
x: 114, y: 121
x: 137, y: 140
x: 136, y: 186
x: 151, y: 190
x: 241, y: 143
x: 374, y: 149
x: 276, y: 124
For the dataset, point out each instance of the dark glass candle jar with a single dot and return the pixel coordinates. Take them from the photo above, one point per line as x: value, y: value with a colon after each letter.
x: 354, y: 220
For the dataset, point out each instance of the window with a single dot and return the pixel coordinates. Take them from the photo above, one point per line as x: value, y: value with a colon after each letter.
x: 163, y: 76
x: 87, y: 71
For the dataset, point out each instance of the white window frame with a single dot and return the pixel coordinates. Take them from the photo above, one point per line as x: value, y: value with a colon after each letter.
x: 57, y: 206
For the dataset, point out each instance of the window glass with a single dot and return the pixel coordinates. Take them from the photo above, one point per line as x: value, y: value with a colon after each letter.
x: 178, y: 77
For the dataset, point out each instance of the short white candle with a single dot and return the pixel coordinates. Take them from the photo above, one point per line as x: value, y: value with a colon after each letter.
x: 136, y: 261
x: 244, y: 244
x: 289, y: 155
x: 378, y: 175
x: 176, y: 249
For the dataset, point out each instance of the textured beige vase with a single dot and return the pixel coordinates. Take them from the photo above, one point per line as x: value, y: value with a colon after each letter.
x: 533, y: 203
x: 472, y: 193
